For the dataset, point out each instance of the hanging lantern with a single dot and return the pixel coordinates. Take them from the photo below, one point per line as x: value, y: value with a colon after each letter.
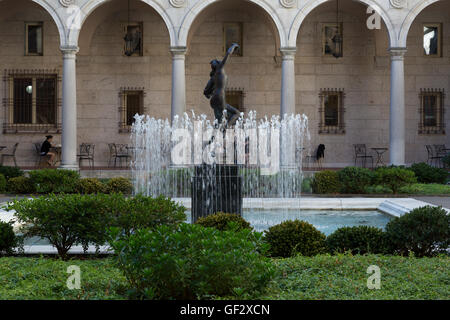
x: 132, y: 37
x: 337, y: 39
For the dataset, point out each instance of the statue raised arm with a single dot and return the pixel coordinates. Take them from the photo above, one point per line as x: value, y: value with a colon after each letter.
x: 216, y: 87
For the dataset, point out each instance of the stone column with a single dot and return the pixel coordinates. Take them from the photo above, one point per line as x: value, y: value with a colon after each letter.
x: 178, y: 81
x: 287, y: 81
x: 69, y: 109
x: 397, y: 108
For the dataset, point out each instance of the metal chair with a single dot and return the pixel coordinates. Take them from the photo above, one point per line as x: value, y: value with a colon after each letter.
x: 361, y: 153
x: 441, y: 150
x: 433, y: 156
x: 10, y: 155
x: 118, y: 151
x: 86, y: 153
x: 39, y: 158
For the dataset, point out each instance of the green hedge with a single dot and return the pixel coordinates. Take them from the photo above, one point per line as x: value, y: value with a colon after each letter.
x: 428, y: 174
x: 10, y: 172
x: 394, y: 177
x: 294, y: 237
x: 8, y: 240
x: 2, y: 183
x: 424, y: 231
x: 355, y: 180
x: 70, y: 219
x: 221, y: 221
x: 192, y: 262
x: 21, y: 185
x: 357, y: 240
x: 326, y: 181
x: 54, y: 180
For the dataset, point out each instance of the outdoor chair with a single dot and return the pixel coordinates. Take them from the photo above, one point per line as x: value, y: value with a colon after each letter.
x: 361, y: 153
x: 441, y: 150
x: 39, y: 157
x: 433, y: 156
x: 118, y: 151
x: 86, y: 153
x: 12, y: 155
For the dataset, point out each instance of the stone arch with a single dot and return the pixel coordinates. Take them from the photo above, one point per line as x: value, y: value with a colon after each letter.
x: 307, y: 9
x: 55, y: 17
x: 412, y: 15
x: 199, y: 7
x: 90, y: 7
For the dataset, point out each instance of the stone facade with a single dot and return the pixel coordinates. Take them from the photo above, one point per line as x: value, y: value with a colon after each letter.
x: 184, y: 35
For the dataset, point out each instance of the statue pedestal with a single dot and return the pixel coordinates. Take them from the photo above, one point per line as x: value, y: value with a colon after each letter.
x: 216, y: 188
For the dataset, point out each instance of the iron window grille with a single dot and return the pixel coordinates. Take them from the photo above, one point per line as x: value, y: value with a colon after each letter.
x: 31, y: 101
x: 131, y: 103
x: 431, y: 111
x: 331, y: 111
x: 235, y: 98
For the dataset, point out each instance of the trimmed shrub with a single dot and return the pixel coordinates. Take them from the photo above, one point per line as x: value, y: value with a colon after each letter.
x: 294, y: 237
x: 424, y: 231
x: 394, y: 177
x: 192, y: 262
x: 426, y: 189
x: 65, y: 220
x: 378, y: 189
x: 141, y: 212
x: 221, y: 221
x: 10, y: 172
x: 357, y: 240
x: 119, y: 185
x: 326, y: 182
x: 21, y: 185
x: 90, y: 185
x: 428, y: 174
x: 446, y: 161
x: 54, y: 180
x: 355, y: 180
x: 2, y: 183
x: 8, y: 239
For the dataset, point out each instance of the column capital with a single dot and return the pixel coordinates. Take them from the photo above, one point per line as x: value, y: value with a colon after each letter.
x: 178, y: 52
x: 288, y: 53
x: 69, y: 51
x: 397, y: 53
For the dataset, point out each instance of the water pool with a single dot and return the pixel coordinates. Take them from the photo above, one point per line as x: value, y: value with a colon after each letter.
x: 326, y: 221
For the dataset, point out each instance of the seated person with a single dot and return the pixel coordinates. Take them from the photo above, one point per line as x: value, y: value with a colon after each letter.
x: 46, y: 148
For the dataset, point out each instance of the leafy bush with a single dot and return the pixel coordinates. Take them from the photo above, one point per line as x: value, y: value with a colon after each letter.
x: 326, y: 182
x: 354, y: 179
x: 378, y: 189
x: 2, y: 183
x: 141, y: 212
x: 424, y: 231
x: 21, y: 185
x: 446, y: 161
x: 357, y: 240
x: 425, y: 189
x: 394, y: 177
x: 10, y: 172
x: 221, y: 221
x: 8, y: 239
x: 307, y: 185
x: 55, y: 180
x: 90, y: 185
x: 119, y: 185
x: 192, y: 262
x: 428, y: 174
x: 295, y: 237
x: 65, y: 220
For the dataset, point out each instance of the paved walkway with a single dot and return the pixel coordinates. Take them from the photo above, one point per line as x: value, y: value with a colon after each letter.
x: 437, y: 201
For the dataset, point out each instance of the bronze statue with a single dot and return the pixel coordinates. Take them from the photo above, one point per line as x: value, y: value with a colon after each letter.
x: 215, y: 90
